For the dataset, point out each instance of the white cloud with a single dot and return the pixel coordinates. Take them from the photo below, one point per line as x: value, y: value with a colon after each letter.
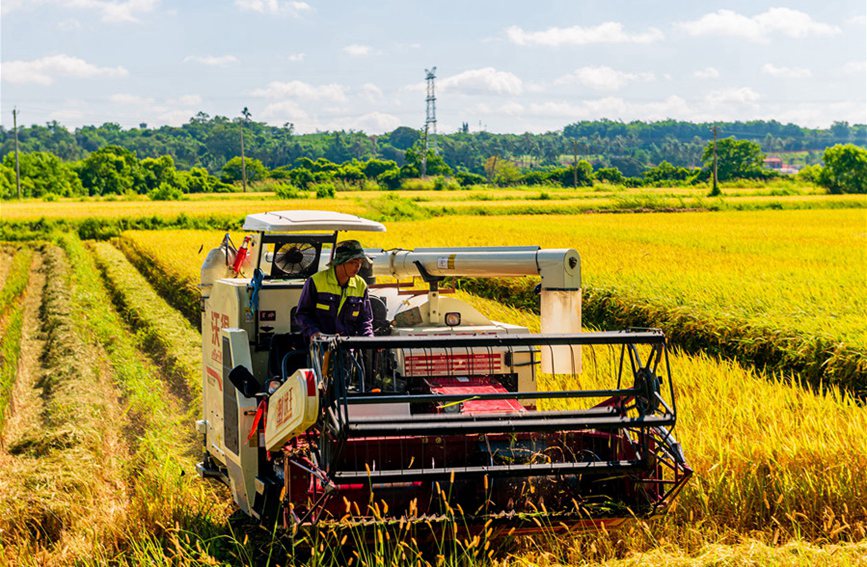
x: 485, y: 80
x: 615, y: 108
x: 371, y: 92
x: 356, y: 50
x: 187, y: 100
x: 274, y: 7
x: 602, y: 78
x: 372, y: 123
x: 734, y: 95
x: 211, y: 60
x: 855, y: 67
x: 301, y: 90
x: 118, y: 11
x: 295, y: 57
x: 706, y: 73
x: 130, y: 100
x: 759, y: 28
x: 108, y: 10
x: 608, y: 32
x: 511, y: 109
x: 69, y: 25
x: 44, y: 71
x: 177, y: 117
x: 66, y: 115
x: 786, y: 72
x: 289, y: 111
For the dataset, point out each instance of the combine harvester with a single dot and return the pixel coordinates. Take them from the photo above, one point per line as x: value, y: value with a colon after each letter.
x: 442, y: 404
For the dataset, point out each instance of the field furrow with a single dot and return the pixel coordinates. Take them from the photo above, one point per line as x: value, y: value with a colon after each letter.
x: 161, y: 330
x: 164, y: 494
x: 62, y: 490
x: 182, y: 294
x: 11, y: 324
x: 26, y: 403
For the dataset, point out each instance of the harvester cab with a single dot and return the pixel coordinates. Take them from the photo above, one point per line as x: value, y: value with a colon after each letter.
x: 441, y: 404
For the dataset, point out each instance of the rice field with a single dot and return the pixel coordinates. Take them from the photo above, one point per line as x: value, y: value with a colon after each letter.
x: 783, y: 289
x: 98, y: 443
x: 478, y: 201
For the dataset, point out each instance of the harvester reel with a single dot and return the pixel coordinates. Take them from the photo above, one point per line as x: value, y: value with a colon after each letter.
x: 647, y: 383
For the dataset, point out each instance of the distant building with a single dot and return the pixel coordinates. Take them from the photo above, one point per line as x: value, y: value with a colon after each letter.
x: 779, y: 166
x: 774, y: 163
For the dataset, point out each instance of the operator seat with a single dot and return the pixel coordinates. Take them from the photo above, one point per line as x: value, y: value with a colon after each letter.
x: 288, y: 353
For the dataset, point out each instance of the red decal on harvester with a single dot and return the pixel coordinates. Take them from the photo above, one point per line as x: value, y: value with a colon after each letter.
x: 216, y: 376
x: 219, y: 321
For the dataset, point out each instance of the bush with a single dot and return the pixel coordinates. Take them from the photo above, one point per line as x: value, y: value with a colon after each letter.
x: 323, y: 190
x: 467, y: 178
x: 809, y: 174
x: 389, y: 179
x: 286, y: 191
x: 845, y: 169
x: 609, y: 174
x: 166, y: 192
x: 444, y: 184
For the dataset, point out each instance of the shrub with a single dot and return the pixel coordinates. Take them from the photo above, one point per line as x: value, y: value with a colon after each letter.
x: 444, y: 184
x: 389, y: 179
x: 287, y: 191
x: 166, y: 192
x: 609, y: 174
x: 845, y: 169
x: 323, y: 190
x: 467, y: 178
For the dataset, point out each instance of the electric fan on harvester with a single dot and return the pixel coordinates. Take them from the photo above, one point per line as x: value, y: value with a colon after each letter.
x: 296, y: 259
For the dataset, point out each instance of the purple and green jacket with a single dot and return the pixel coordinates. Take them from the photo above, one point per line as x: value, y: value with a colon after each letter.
x: 329, y: 308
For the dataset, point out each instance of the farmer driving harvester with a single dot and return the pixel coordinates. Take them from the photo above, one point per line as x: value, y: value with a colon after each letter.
x: 335, y: 301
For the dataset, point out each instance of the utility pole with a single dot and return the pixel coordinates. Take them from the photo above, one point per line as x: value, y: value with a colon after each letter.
x: 714, y: 192
x: 574, y: 163
x: 17, y: 168
x: 246, y: 114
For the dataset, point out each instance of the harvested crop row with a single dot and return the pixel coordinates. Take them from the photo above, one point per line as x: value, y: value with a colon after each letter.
x: 11, y: 314
x: 6, y: 255
x: 61, y: 490
x: 162, y: 330
x: 183, y: 295
x: 164, y: 493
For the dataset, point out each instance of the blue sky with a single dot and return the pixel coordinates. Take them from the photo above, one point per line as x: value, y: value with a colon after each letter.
x: 508, y: 66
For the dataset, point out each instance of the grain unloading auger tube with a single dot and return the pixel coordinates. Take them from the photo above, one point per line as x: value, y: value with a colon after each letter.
x: 444, y: 409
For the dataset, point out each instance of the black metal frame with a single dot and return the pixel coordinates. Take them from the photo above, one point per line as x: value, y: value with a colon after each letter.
x: 649, y: 423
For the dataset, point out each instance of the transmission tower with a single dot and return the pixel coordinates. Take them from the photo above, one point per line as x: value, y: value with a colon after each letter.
x: 430, y: 118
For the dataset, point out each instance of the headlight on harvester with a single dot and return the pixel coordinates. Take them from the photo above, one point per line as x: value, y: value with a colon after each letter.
x: 453, y: 319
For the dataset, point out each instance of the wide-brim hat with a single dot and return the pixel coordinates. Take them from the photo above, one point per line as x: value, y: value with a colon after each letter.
x: 349, y: 250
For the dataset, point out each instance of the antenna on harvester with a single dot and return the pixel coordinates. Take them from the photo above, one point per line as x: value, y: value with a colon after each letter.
x: 430, y: 118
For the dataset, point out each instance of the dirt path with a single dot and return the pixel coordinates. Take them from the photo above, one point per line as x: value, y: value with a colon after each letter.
x: 25, y: 407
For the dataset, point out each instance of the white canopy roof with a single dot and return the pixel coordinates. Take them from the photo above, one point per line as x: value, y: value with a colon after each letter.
x: 300, y: 221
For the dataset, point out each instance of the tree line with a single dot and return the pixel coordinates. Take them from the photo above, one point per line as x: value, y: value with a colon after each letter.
x: 115, y: 170
x: 631, y: 147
